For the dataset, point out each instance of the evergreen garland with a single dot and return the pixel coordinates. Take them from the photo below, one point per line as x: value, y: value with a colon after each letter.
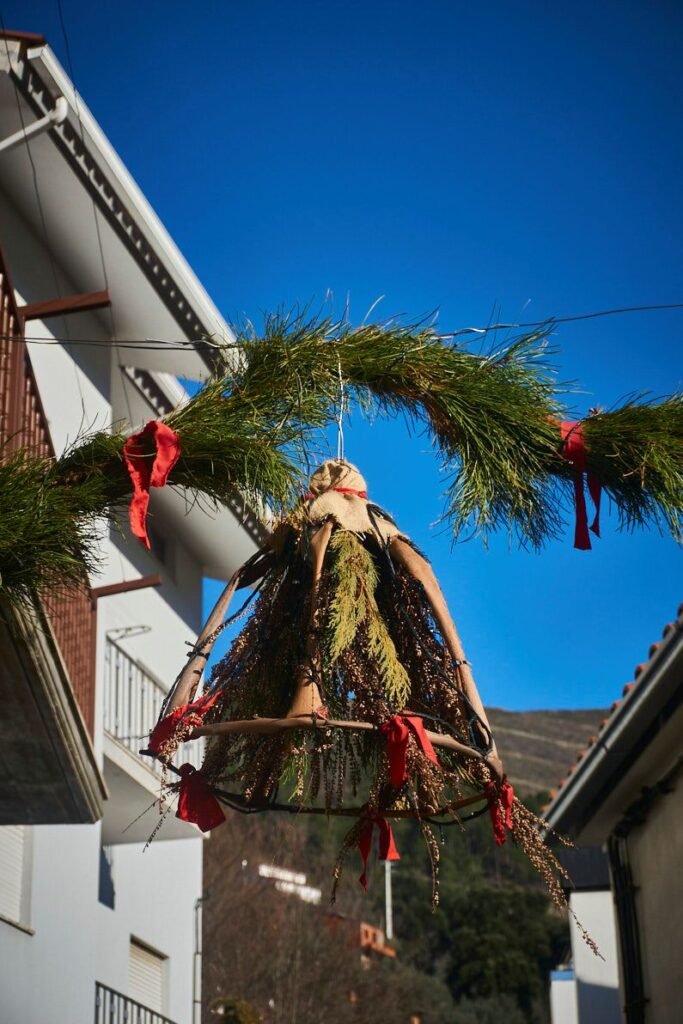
x: 355, y: 579
x: 494, y: 421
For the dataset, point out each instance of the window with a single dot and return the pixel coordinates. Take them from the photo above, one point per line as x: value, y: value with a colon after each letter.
x: 14, y: 865
x: 106, y: 889
x: 163, y: 548
x: 146, y: 976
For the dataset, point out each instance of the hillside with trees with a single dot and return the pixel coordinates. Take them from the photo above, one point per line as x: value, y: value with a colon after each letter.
x: 483, y: 957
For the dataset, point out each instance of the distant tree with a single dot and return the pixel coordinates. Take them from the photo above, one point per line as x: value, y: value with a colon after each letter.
x: 235, y: 1011
x: 482, y: 958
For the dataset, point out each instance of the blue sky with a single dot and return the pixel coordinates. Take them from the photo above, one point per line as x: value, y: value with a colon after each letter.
x: 479, y: 159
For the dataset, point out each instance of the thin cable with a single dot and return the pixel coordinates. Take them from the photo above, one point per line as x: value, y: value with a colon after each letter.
x: 145, y: 344
x: 41, y: 214
x: 34, y: 172
x: 98, y: 232
x: 340, y: 414
x: 156, y: 345
x: 562, y: 319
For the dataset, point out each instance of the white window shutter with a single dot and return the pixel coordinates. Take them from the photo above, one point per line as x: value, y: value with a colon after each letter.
x: 146, y: 971
x: 12, y: 849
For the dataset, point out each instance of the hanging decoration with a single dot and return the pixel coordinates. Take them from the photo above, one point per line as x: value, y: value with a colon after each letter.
x: 145, y: 472
x: 498, y: 423
x: 348, y: 685
x: 574, y: 451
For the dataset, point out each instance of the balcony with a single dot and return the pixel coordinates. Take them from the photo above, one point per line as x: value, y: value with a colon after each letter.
x: 112, y: 1007
x: 133, y: 697
x: 47, y: 649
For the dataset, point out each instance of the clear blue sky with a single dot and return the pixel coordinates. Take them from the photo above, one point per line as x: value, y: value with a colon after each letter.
x: 465, y: 157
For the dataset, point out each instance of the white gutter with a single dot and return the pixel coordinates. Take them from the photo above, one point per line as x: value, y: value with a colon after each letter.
x: 614, y: 741
x: 55, y: 117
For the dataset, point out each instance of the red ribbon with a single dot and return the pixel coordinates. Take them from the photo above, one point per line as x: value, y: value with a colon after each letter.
x: 196, y: 802
x: 190, y: 714
x: 574, y: 451
x: 146, y: 472
x: 398, y: 731
x: 387, y: 846
x: 501, y: 798
x: 341, y: 490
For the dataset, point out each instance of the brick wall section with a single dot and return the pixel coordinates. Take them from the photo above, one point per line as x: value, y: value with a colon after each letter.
x: 23, y: 423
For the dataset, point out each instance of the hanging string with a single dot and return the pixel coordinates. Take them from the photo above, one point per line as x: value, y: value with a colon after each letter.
x: 340, y: 413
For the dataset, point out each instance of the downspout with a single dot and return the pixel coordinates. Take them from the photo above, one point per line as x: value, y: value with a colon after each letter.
x: 197, y: 963
x: 627, y: 923
x: 56, y: 116
x: 635, y: 1000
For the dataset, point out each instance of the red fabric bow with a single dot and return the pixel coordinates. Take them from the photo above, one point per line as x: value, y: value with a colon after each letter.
x: 574, y: 451
x: 196, y: 802
x: 387, y: 846
x: 146, y: 472
x: 501, y: 798
x: 397, y: 731
x: 190, y: 714
x: 341, y: 490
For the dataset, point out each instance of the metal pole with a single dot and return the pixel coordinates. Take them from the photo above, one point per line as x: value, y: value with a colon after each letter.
x: 388, y: 904
x: 197, y: 963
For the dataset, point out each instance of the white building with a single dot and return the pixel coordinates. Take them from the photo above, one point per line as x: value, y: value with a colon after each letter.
x: 91, y: 927
x: 623, y: 801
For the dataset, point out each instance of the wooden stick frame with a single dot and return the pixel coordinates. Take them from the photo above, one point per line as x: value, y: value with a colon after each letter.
x: 363, y: 813
x: 307, y: 702
x: 316, y: 723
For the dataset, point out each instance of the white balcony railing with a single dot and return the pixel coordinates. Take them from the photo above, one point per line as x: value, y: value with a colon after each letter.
x: 132, y: 702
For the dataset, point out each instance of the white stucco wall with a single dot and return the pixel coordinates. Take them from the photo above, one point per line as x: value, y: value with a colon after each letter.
x: 156, y: 892
x: 563, y: 1003
x: 74, y: 940
x: 51, y: 974
x: 656, y: 853
x: 597, y: 980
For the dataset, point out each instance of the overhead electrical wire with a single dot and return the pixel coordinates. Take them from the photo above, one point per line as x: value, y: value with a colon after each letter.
x: 98, y: 232
x: 148, y: 344
x: 41, y: 211
x: 563, y: 319
x: 157, y: 345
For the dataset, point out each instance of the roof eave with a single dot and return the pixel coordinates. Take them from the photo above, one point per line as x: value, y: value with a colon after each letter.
x: 605, y: 765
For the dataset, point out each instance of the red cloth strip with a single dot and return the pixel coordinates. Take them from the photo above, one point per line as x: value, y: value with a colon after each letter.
x: 501, y: 798
x: 146, y: 472
x: 196, y: 802
x: 398, y: 731
x: 387, y: 846
x: 574, y: 451
x: 341, y: 490
x: 190, y: 714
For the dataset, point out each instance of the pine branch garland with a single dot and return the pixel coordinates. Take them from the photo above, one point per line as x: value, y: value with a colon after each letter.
x: 354, y: 607
x: 493, y: 419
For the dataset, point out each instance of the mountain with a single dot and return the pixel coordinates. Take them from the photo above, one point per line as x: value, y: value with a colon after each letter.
x: 538, y: 747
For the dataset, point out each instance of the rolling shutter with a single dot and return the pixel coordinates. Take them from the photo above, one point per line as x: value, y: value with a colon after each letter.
x: 146, y: 971
x: 12, y: 842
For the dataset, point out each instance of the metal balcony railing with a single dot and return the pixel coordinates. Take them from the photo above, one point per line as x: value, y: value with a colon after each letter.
x: 132, y: 702
x: 112, y: 1007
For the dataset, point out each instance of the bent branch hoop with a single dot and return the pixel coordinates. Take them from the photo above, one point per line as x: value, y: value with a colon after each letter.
x: 270, y: 726
x: 234, y: 801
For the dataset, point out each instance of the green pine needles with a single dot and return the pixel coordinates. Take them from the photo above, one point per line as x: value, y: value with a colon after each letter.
x: 493, y: 420
x: 354, y: 609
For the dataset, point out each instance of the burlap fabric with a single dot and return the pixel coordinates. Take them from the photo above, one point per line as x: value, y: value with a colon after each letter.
x: 333, y: 492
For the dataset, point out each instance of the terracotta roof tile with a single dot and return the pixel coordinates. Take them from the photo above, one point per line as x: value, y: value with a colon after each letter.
x: 625, y: 693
